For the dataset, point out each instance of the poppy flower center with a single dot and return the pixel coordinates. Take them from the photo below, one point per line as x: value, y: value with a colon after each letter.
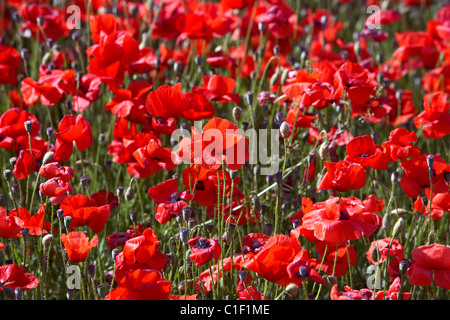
x: 175, y: 197
x: 344, y: 215
x: 202, y: 243
x: 364, y: 155
x: 200, y: 185
x: 302, y: 272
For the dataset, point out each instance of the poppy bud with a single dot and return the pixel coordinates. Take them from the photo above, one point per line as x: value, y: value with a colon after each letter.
x: 48, y: 157
x: 9, y: 293
x: 404, y: 266
x: 67, y: 221
x: 323, y: 150
x: 399, y: 211
x: 119, y: 191
x: 186, y: 213
x: 292, y: 289
x: 129, y: 194
x: 101, y: 289
x: 242, y: 275
x: 386, y: 221
x: 177, y: 67
x: 284, y: 130
x: 296, y: 223
x: 133, y: 216
x: 398, y: 227
x: 182, y: 285
x: 184, y: 235
x: 25, y: 233
x: 85, y: 181
x: 91, y: 270
x: 249, y: 98
x: 191, y: 223
x: 424, y: 201
x: 244, y: 126
x: 234, y: 174
x: 268, y: 229
x: 114, y: 254
x: 379, y: 58
x: 24, y: 54
x: 394, y: 177
x: 279, y: 178
x: 276, y: 50
x: 7, y: 174
x: 18, y: 293
x: 275, y: 77
x: 261, y: 26
x: 49, y: 131
x: 68, y: 104
x: 284, y: 76
x: 430, y: 162
x: 375, y: 254
x: 59, y: 213
x: 47, y: 239
x: 70, y: 294
x: 332, y: 280
x: 237, y: 113
x: 198, y: 60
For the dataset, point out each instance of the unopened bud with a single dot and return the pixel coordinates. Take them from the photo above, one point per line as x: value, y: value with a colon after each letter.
x: 91, y: 270
x: 237, y: 113
x: 9, y: 293
x: 284, y: 130
x: 133, y: 216
x: 18, y: 293
x: 7, y: 174
x: 386, y: 221
x: 129, y: 194
x: 398, y: 227
x: 47, y: 239
x: 70, y: 294
x: 25, y: 233
x: 67, y: 222
x: 60, y: 213
x: 184, y: 235
x: 119, y: 191
x: 242, y: 275
x: 404, y: 266
x: 186, y: 213
x: 430, y: 162
x: 101, y: 289
x: 114, y: 254
x: 292, y: 289
x: 48, y: 157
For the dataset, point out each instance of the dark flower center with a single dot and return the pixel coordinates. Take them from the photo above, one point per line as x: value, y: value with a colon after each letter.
x: 175, y: 197
x: 302, y: 272
x: 344, y: 215
x: 202, y: 243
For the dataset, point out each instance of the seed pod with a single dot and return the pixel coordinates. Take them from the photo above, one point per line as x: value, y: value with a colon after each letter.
x: 60, y: 213
x: 375, y: 254
x: 242, y: 275
x: 119, y: 191
x: 18, y: 293
x: 404, y: 266
x: 186, y: 213
x: 430, y: 161
x: 133, y: 216
x: 25, y: 233
x: 184, y: 235
x: 28, y: 126
x: 114, y: 254
x: 70, y: 294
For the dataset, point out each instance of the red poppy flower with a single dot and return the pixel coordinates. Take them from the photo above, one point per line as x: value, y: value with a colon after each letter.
x: 26, y: 163
x: 113, y: 55
x: 356, y: 81
x: 373, y: 204
x: 303, y: 267
x: 102, y: 22
x: 170, y: 201
x: 395, y: 250
x: 10, y: 226
x: 130, y: 103
x: 342, y: 176
x: 167, y: 101
x: 55, y: 170
x: 118, y: 239
x: 235, y: 4
x: 85, y: 212
x: 72, y: 128
x: 435, y: 119
x: 103, y: 197
x: 14, y: 276
x: 218, y: 88
x: 367, y: 294
x: 343, y: 221
x: 56, y: 189
x: 204, y: 250
x: 9, y: 63
x: 272, y: 260
x: 254, y: 242
x: 77, y: 245
x: 36, y: 224
x: 220, y: 141
x: 417, y: 177
x: 12, y: 123
x: 249, y: 292
x: 363, y: 150
x: 439, y: 205
x: 151, y: 159
x: 399, y: 145
x: 141, y: 284
x: 142, y: 248
x: 429, y: 259
x: 54, y: 24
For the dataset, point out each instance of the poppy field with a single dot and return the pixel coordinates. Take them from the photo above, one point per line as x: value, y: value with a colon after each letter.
x: 225, y: 150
